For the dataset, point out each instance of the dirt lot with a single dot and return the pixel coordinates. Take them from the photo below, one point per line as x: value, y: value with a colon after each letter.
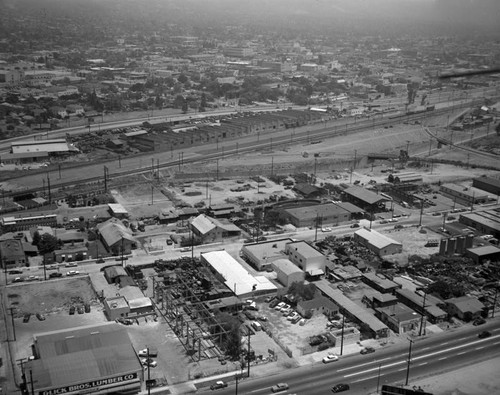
x: 48, y: 298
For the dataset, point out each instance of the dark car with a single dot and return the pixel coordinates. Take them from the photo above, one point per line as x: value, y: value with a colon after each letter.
x: 355, y: 226
x: 484, y: 335
x: 55, y: 275
x: 340, y: 388
x: 274, y: 303
x: 80, y: 310
x: 72, y: 310
x: 367, y: 350
x: 15, y: 271
x: 26, y: 317
x: 478, y: 322
x: 87, y: 307
x: 218, y: 385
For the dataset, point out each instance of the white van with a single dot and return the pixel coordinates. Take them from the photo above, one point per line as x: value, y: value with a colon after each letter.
x: 256, y: 326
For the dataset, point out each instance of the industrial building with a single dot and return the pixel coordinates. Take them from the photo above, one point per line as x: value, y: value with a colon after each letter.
x: 463, y: 195
x: 377, y: 242
x: 381, y: 284
x: 362, y: 197
x: 97, y: 359
x: 316, y: 215
x: 306, y: 257
x: 487, y: 221
x: 287, y: 272
x: 235, y: 276
x: 13, y: 224
x: 484, y: 253
x: 261, y: 255
x: 488, y: 184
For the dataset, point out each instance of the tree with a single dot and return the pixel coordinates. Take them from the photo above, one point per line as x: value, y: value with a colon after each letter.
x: 47, y: 244
x: 36, y: 238
x: 185, y: 107
x: 182, y: 78
x: 232, y: 338
x: 302, y: 291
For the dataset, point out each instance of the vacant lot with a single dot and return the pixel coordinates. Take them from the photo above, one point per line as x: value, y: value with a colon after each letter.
x: 50, y: 296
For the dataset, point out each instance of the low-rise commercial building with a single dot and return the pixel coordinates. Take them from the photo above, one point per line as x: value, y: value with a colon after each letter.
x: 377, y: 242
x: 399, y: 318
x: 287, y: 272
x: 97, y: 358
x: 306, y: 257
x: 261, y: 255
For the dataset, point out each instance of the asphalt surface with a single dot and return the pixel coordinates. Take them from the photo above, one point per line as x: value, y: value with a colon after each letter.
x: 364, y: 373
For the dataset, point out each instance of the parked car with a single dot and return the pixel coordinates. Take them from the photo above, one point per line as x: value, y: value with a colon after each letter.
x: 218, y: 385
x: 40, y: 317
x: 26, y: 317
x: 293, y: 316
x: 86, y: 306
x: 340, y: 388
x: 18, y: 280
x: 32, y: 278
x: 484, y: 335
x: 149, y: 362
x: 279, y: 387
x: 302, y: 322
x: 367, y: 350
x: 72, y: 310
x: 15, y: 271
x: 326, y: 230
x: 153, y: 352
x: 296, y: 319
x: 71, y: 264
x: 330, y: 358
x: 355, y: 226
x: 55, y: 275
x: 51, y: 267
x: 384, y: 221
x: 479, y: 321
x: 274, y: 303
x: 269, y: 299
x: 285, y: 307
x: 279, y: 306
x: 73, y: 273
x: 80, y: 310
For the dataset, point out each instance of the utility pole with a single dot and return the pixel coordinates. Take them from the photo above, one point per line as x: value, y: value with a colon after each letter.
x: 105, y: 179
x: 354, y: 164
x: 31, y: 382
x: 316, y: 229
x: 342, y: 335
x: 149, y: 372
x: 122, y: 251
x: 409, y: 361
x: 422, y: 316
x: 152, y: 191
x: 48, y: 187
x: 12, y: 319
x: 248, y: 362
x: 272, y: 165
x: 421, y: 212
x: 494, y: 302
x: 378, y: 377
x: 236, y: 377
x: 59, y: 170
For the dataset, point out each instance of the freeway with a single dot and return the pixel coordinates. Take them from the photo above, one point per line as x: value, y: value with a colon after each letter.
x: 364, y: 373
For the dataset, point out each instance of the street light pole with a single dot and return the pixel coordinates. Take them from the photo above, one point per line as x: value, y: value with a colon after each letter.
x: 378, y: 377
x: 409, y: 361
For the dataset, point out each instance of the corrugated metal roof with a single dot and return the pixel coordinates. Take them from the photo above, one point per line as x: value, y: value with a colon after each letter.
x: 365, y: 195
x: 203, y: 224
x: 112, y: 232
x: 376, y: 239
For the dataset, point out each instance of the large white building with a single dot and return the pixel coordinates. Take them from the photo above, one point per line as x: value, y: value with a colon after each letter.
x: 306, y: 257
x: 236, y: 277
x: 377, y: 242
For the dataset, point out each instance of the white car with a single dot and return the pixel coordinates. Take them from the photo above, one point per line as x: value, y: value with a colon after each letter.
x: 330, y: 358
x: 302, y: 322
x: 73, y: 273
x: 152, y: 353
x: 293, y: 316
x: 285, y: 307
x: 325, y: 230
x: 149, y: 362
x: 279, y: 306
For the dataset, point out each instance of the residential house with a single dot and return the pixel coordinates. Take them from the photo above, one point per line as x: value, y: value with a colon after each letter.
x: 212, y: 230
x: 465, y: 307
x: 116, y: 237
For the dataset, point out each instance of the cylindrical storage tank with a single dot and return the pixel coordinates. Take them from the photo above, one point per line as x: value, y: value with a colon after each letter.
x: 469, y: 241
x: 442, y: 247
x: 450, y: 248
x: 460, y: 247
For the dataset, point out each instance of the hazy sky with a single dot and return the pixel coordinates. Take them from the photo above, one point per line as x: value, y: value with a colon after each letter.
x: 458, y: 15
